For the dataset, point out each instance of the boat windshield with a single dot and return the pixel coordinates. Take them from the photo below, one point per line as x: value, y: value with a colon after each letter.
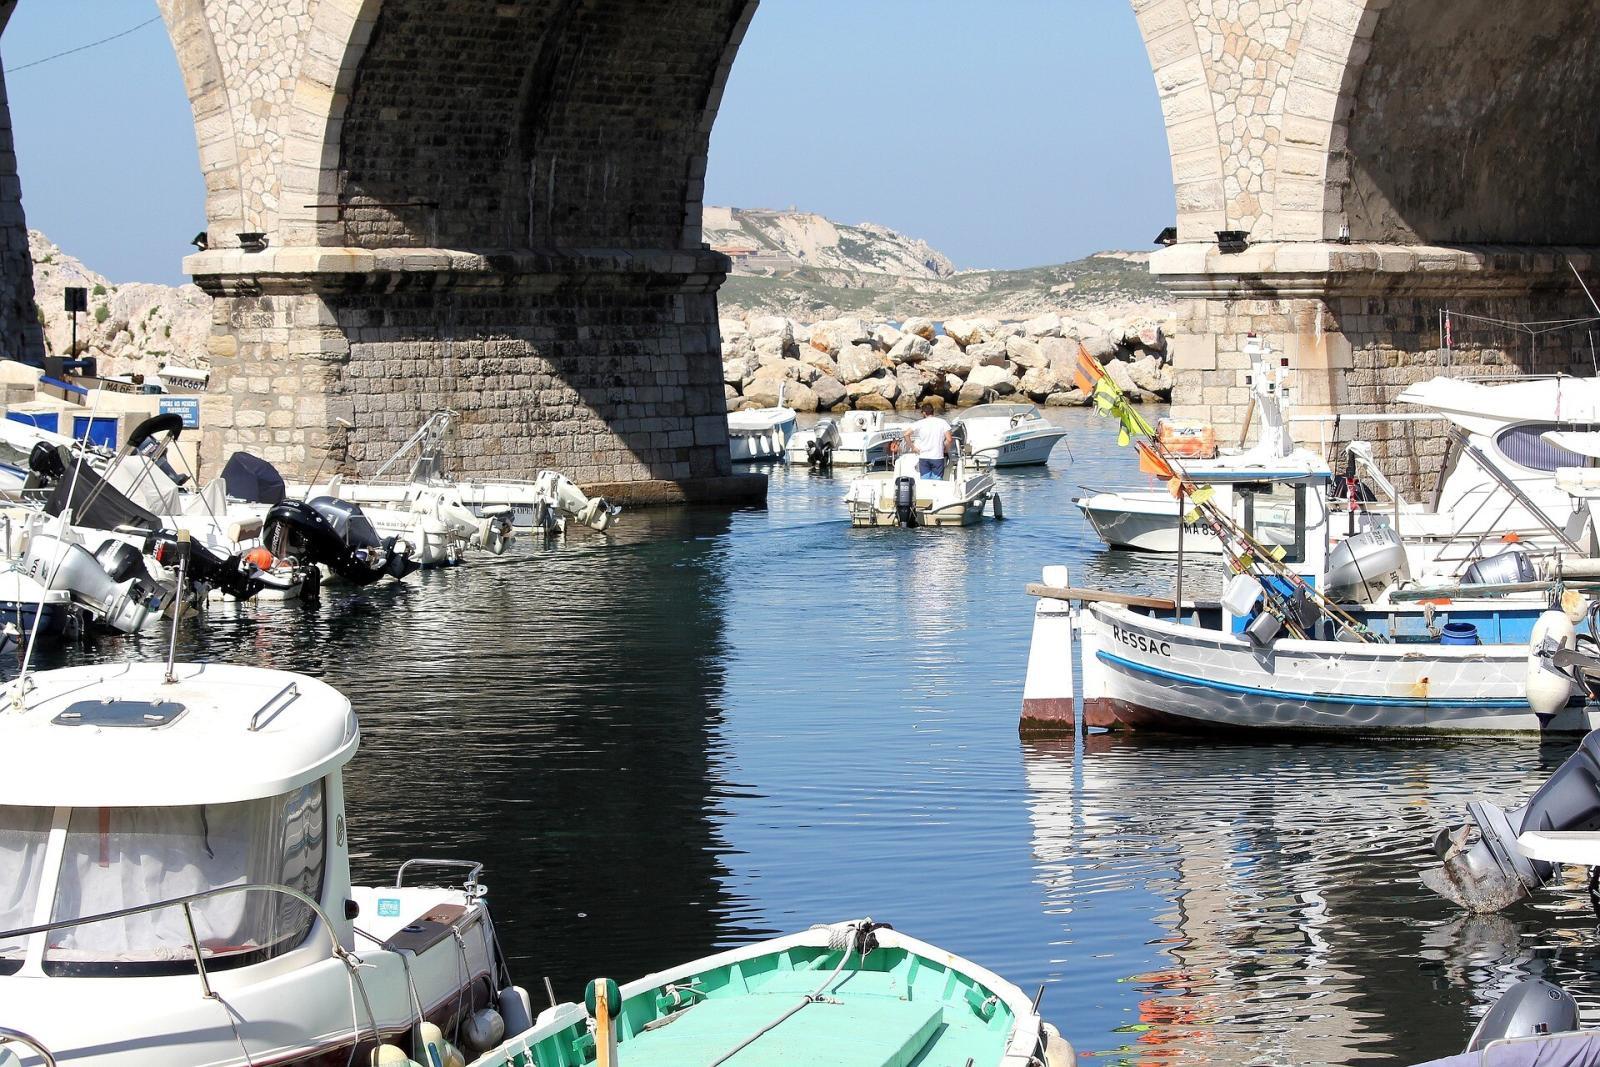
x: 24, y: 832
x: 999, y: 411
x: 117, y: 858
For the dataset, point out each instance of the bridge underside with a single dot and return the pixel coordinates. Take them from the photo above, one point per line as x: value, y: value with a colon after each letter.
x: 495, y: 205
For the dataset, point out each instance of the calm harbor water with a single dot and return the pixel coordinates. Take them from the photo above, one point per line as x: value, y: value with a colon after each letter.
x: 708, y: 727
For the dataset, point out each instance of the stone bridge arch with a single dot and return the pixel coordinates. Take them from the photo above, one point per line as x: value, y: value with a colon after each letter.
x: 1390, y: 159
x: 489, y: 206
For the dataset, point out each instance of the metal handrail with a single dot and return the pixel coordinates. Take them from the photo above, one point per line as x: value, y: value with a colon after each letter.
x: 474, y: 868
x: 338, y: 951
x: 293, y: 689
x: 184, y: 902
x: 9, y: 1036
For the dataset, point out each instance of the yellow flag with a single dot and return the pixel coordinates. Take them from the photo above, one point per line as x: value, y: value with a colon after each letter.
x: 1203, y: 494
x: 1193, y: 517
x: 1122, y: 437
x: 1246, y: 561
x: 1278, y: 553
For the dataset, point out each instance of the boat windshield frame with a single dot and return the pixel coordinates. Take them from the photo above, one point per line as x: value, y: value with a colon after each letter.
x: 1000, y: 409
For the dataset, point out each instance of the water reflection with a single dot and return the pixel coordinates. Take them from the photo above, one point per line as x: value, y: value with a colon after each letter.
x: 1276, y: 887
x: 707, y: 726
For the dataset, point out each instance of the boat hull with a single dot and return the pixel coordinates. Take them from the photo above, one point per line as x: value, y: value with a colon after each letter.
x: 1148, y: 522
x: 1145, y: 673
x: 754, y: 437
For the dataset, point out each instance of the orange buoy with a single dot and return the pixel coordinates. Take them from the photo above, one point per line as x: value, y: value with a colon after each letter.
x: 259, y: 558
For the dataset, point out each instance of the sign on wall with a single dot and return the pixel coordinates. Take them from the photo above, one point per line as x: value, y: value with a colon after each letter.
x: 186, y: 406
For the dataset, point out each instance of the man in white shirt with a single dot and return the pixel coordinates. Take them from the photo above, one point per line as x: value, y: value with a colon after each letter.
x: 930, y: 438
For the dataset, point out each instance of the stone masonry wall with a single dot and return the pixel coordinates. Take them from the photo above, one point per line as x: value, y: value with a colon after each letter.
x: 21, y: 336
x: 607, y: 377
x: 1368, y: 351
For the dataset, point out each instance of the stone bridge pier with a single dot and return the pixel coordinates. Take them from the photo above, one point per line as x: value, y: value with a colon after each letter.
x: 492, y: 207
x: 1388, y: 159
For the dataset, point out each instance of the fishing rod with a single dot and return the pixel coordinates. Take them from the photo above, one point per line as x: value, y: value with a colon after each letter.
x: 1110, y: 399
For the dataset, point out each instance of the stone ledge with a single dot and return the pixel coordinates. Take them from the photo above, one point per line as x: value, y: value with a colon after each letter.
x: 729, y: 490
x: 1320, y: 268
x: 227, y: 270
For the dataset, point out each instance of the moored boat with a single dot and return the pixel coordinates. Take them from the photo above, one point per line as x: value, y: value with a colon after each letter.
x: 757, y: 434
x: 850, y: 993
x: 203, y: 913
x: 1009, y: 434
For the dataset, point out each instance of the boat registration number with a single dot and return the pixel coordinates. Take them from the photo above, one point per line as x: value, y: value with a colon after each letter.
x: 1016, y: 447
x: 1142, y: 642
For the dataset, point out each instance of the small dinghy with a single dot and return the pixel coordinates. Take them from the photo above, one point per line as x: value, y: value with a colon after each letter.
x: 854, y: 994
x: 900, y: 497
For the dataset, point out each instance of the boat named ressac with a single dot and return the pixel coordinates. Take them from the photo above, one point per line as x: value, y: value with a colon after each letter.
x: 152, y: 815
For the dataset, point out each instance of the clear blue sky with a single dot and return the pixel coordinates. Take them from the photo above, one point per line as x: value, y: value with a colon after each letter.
x: 1006, y: 133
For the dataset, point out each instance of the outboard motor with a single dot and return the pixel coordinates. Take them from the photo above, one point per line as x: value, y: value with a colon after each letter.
x: 1489, y: 874
x: 564, y: 493
x: 819, y: 455
x: 1531, y: 1008
x: 58, y: 564
x: 338, y: 534
x: 905, y: 500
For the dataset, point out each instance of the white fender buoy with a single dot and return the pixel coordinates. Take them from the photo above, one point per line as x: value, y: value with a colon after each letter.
x: 391, y: 1056
x: 433, y: 1044
x: 1548, y: 690
x: 1058, y: 1052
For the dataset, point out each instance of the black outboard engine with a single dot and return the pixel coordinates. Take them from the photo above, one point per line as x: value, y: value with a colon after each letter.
x: 336, y: 533
x: 1489, y: 874
x: 905, y: 501
x: 1531, y: 1008
x: 819, y: 455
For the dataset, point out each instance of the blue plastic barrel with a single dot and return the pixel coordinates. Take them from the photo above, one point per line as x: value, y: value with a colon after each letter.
x: 1459, y: 633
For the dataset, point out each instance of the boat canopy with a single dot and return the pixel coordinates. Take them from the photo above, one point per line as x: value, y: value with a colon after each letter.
x: 1001, y: 410
x: 121, y: 736
x: 1483, y: 408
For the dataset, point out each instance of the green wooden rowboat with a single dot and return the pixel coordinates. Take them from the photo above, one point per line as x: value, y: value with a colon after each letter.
x: 854, y: 994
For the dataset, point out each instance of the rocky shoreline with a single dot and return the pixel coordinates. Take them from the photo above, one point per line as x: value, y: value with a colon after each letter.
x: 848, y: 363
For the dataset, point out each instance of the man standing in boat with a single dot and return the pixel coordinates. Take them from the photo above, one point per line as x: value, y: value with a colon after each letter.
x: 930, y: 437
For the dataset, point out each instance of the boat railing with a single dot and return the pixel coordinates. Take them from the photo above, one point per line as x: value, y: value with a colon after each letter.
x: 336, y: 950
x: 292, y: 691
x: 9, y: 1036
x: 472, y: 867
x: 187, y: 903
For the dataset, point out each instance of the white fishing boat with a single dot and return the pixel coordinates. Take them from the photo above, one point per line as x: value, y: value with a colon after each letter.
x: 848, y: 993
x: 1009, y: 434
x: 1276, y: 652
x: 901, y: 497
x: 204, y: 915
x: 757, y: 434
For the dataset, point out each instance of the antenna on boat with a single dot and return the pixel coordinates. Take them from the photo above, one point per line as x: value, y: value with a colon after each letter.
x: 1584, y: 285
x: 19, y: 697
x: 312, y: 485
x: 177, y: 603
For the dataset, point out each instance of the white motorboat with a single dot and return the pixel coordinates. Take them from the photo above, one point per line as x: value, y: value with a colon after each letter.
x: 1009, y: 434
x: 900, y: 497
x: 542, y: 505
x: 855, y: 439
x: 204, y: 915
x: 757, y: 434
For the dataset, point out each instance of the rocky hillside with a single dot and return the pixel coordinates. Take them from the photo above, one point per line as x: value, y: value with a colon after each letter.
x: 131, y: 328
x: 805, y: 267
x: 764, y: 243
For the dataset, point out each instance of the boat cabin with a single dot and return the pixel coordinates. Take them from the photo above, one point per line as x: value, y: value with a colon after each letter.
x: 130, y: 790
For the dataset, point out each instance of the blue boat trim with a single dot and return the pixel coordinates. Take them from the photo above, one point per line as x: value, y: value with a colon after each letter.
x: 1312, y: 698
